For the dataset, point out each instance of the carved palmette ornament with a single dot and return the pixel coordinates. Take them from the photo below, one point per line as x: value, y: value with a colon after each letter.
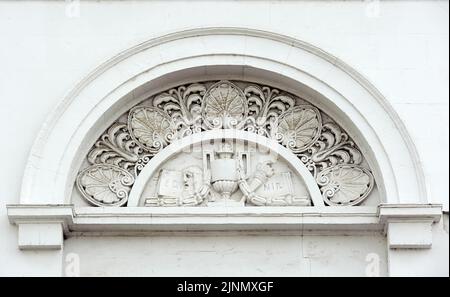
x: 224, y: 106
x: 345, y: 184
x: 120, y: 154
x: 151, y: 128
x: 299, y: 128
x: 105, y: 184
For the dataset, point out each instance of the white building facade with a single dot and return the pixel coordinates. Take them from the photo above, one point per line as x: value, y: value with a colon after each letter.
x: 224, y: 138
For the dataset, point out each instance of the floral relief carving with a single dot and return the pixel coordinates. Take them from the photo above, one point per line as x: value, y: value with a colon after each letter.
x: 332, y: 157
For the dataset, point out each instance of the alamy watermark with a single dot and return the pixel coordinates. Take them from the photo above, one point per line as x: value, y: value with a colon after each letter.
x: 373, y: 265
x: 72, y: 265
x: 372, y: 8
x: 72, y: 8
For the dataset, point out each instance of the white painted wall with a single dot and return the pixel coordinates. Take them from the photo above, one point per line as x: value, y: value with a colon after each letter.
x: 236, y: 255
x: 430, y: 262
x: 45, y: 48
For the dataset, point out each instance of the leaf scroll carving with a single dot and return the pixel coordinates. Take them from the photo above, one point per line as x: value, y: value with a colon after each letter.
x: 265, y: 106
x: 115, y: 147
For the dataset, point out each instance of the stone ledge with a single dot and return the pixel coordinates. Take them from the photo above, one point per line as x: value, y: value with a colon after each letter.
x: 97, y: 220
x: 34, y: 236
x: 391, y: 212
x: 408, y: 226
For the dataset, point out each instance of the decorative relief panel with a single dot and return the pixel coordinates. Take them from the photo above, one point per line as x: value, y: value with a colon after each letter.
x: 225, y: 173
x: 328, y: 152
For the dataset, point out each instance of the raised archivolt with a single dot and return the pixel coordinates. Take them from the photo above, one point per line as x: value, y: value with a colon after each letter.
x: 327, y: 151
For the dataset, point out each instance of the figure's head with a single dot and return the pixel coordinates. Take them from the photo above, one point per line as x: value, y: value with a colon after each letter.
x: 266, y: 168
x: 188, y: 178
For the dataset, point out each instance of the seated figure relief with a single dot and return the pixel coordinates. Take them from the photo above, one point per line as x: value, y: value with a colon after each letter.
x: 225, y: 173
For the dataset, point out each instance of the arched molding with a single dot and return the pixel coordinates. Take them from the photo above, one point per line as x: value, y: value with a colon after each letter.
x: 123, y: 81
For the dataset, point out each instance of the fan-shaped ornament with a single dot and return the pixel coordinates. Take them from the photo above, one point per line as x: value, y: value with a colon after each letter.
x: 224, y: 106
x: 299, y: 127
x: 105, y: 185
x: 343, y: 185
x: 151, y: 128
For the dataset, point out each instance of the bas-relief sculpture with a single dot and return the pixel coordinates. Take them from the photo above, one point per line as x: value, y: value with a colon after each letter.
x: 225, y: 173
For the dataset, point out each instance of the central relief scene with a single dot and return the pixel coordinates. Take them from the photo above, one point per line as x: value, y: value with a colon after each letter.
x: 224, y: 171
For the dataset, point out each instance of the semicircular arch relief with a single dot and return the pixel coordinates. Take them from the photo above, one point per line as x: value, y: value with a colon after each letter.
x: 329, y: 153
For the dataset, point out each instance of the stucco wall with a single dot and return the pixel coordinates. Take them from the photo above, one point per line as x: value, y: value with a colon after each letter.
x: 46, y: 47
x: 237, y: 255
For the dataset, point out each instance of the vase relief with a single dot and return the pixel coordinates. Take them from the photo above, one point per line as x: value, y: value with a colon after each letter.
x: 223, y: 166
